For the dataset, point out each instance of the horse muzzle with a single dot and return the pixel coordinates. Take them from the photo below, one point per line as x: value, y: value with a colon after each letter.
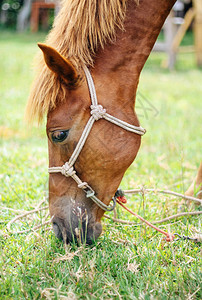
x: 77, y: 226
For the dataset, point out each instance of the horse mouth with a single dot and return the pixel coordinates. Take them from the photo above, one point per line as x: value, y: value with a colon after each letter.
x: 79, y: 231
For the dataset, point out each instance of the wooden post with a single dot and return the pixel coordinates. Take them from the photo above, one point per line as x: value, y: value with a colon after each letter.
x: 198, y: 31
x: 169, y: 31
x: 23, y: 16
x: 57, y: 6
x: 183, y: 29
x: 36, y: 6
x: 34, y: 22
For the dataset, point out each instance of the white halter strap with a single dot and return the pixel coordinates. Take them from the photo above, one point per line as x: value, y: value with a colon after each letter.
x: 97, y: 112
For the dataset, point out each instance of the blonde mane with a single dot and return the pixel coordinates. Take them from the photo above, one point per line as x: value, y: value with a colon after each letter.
x: 79, y: 29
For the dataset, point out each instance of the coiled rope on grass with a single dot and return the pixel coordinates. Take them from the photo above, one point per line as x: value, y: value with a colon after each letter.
x: 132, y: 191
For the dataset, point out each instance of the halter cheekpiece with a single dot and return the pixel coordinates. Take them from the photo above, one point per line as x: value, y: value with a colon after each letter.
x: 97, y: 112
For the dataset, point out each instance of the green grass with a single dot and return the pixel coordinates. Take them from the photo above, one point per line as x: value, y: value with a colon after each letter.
x: 35, y: 266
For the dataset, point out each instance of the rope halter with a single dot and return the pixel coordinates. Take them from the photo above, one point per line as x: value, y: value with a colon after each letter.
x: 67, y: 170
x: 97, y: 112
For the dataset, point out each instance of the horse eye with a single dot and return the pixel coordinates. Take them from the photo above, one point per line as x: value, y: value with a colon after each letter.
x: 59, y: 136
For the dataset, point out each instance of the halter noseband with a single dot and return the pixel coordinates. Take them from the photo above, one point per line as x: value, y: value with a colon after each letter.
x: 97, y: 112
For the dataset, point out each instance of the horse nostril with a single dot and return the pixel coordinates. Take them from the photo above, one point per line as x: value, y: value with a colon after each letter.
x: 97, y: 229
x: 57, y: 230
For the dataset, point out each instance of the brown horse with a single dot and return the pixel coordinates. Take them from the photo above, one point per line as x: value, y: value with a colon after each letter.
x: 113, y: 38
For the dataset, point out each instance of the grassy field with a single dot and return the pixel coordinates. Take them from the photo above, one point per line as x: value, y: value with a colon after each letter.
x: 126, y: 262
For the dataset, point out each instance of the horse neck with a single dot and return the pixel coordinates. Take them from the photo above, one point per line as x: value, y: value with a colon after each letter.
x: 123, y: 61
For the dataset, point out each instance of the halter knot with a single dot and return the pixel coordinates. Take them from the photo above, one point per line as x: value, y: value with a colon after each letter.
x: 97, y: 111
x: 67, y: 170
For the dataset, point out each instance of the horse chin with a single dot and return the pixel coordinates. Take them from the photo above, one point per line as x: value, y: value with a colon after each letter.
x: 81, y: 229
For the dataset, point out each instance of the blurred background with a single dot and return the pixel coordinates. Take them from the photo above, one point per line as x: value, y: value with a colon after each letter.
x: 22, y: 15
x: 183, y: 21
x: 169, y: 106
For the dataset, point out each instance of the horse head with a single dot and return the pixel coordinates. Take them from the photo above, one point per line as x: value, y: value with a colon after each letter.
x: 89, y: 146
x: 107, y: 153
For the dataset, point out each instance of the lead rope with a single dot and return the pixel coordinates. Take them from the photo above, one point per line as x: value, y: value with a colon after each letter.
x: 121, y: 200
x: 169, y: 237
x: 97, y: 112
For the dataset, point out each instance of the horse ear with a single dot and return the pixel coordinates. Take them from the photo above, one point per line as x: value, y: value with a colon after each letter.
x: 58, y: 64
